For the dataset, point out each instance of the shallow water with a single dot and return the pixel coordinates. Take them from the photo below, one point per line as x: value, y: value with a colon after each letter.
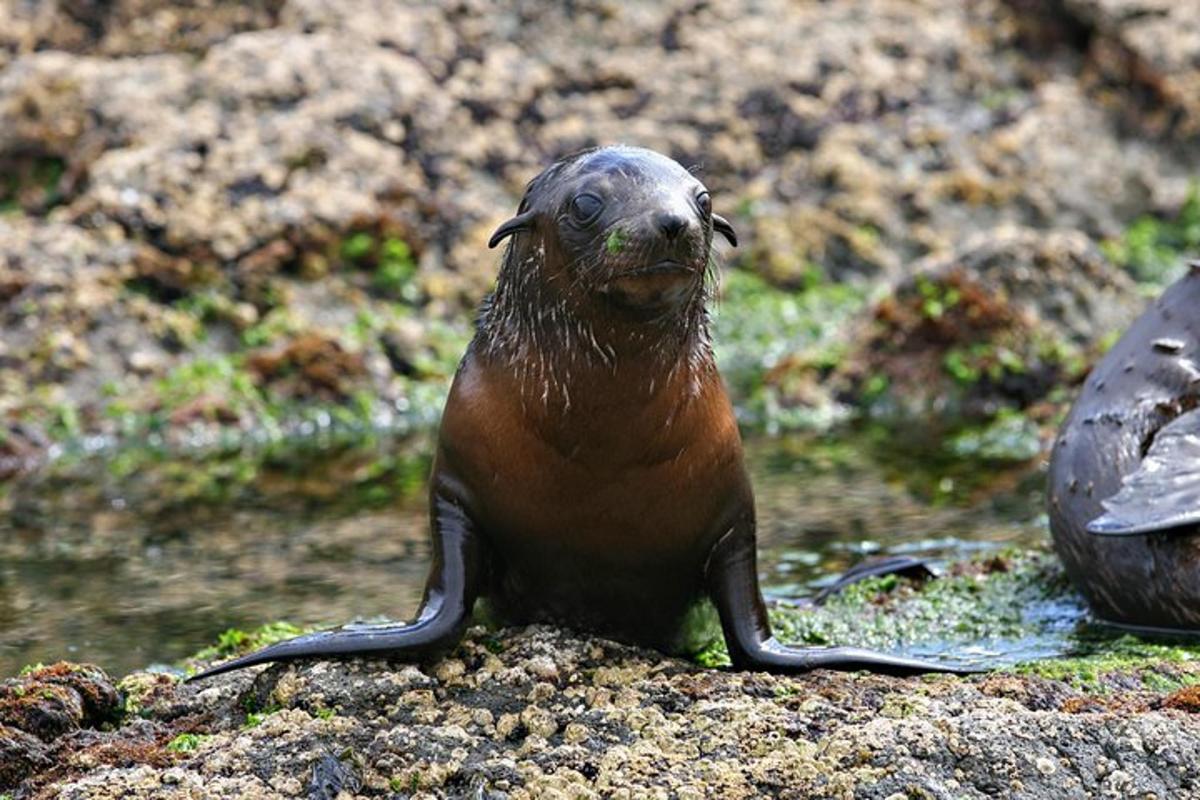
x: 130, y: 562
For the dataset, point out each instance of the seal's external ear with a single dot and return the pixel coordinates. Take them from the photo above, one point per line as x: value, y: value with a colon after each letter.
x: 722, y: 226
x: 519, y: 222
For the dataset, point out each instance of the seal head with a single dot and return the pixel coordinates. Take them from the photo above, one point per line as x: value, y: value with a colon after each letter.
x: 624, y: 225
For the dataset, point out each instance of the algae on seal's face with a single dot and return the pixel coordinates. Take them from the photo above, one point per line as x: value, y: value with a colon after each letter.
x: 622, y: 223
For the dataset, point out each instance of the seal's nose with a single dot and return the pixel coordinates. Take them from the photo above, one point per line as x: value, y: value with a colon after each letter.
x: 670, y: 223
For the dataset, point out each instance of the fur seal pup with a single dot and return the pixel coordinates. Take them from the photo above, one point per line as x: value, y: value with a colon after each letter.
x: 589, y: 467
x: 1124, y: 482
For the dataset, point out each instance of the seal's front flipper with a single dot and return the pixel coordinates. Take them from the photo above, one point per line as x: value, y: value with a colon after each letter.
x: 1163, y: 494
x: 732, y: 581
x: 904, y: 566
x: 450, y: 593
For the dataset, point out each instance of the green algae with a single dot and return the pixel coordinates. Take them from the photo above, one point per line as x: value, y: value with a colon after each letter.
x: 137, y: 690
x: 34, y: 186
x: 235, y: 641
x: 256, y: 718
x: 1103, y: 658
x: 219, y: 399
x: 411, y: 785
x: 758, y: 328
x: 275, y: 325
x: 1009, y: 436
x: 187, y: 742
x: 1152, y: 248
x: 391, y: 261
x: 989, y: 603
x: 223, y: 378
x: 357, y: 246
x: 396, y: 270
x: 1015, y: 612
x: 936, y: 298
x: 616, y: 241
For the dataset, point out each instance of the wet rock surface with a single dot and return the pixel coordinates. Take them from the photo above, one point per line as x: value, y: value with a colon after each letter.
x: 540, y: 713
x: 189, y: 183
x: 45, y: 707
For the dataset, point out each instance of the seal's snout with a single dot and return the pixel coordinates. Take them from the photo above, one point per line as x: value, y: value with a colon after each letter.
x: 670, y: 224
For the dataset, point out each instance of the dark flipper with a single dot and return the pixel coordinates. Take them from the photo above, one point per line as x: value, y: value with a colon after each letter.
x: 1163, y: 494
x: 1152, y: 632
x: 905, y: 566
x: 454, y: 579
x: 733, y: 585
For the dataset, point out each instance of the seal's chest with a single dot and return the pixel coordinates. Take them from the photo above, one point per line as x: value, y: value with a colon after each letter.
x: 646, y: 512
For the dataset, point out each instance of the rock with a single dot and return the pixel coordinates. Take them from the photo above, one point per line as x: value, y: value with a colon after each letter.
x: 21, y: 754
x: 1146, y: 51
x: 626, y: 722
x: 1001, y: 322
x: 127, y: 27
x: 20, y: 449
x: 330, y: 777
x: 51, y: 701
x: 309, y: 365
x: 1058, y: 278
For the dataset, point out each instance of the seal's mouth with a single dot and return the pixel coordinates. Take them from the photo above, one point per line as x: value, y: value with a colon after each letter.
x: 664, y: 267
x: 653, y: 287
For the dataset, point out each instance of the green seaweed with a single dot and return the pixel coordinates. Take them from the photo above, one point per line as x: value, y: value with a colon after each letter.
x: 1152, y: 248
x: 223, y: 378
x: 357, y: 246
x: 936, y: 298
x: 391, y: 261
x: 889, y: 612
x: 1015, y: 612
x: 395, y: 272
x: 234, y: 641
x: 1009, y: 436
x: 256, y: 718
x: 616, y: 241
x: 274, y: 325
x: 757, y: 327
x: 1102, y: 656
x: 37, y: 182
x: 187, y: 742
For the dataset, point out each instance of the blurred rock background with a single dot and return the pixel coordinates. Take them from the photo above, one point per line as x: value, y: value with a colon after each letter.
x: 229, y: 219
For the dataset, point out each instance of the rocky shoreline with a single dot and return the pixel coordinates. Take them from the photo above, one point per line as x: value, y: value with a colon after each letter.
x: 540, y: 712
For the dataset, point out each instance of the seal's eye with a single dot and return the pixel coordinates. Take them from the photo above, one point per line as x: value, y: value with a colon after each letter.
x: 585, y: 208
x: 705, y: 202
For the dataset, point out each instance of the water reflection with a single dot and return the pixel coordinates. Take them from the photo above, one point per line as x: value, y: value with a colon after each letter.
x: 125, y: 564
x: 824, y: 504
